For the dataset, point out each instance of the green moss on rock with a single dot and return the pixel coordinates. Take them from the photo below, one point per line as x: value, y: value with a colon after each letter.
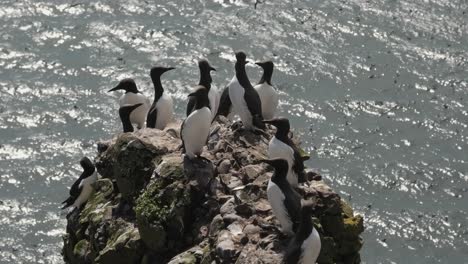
x: 161, y: 209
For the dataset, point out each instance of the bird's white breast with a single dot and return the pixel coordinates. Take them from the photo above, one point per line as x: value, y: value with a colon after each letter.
x: 311, y: 248
x: 279, y: 149
x: 138, y: 116
x: 86, y: 191
x: 195, y: 131
x: 165, y: 109
x: 269, y: 99
x: 236, y: 94
x: 276, y: 200
x: 214, y: 98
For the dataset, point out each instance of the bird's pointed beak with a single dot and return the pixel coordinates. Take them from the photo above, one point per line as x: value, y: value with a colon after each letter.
x: 115, y: 88
x: 213, y: 69
x: 268, y: 121
x: 191, y: 94
x: 170, y: 68
x: 259, y: 63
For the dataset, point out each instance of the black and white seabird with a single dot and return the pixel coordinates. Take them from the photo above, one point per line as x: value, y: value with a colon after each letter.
x: 125, y: 112
x: 266, y: 91
x: 81, y: 188
x: 162, y: 109
x: 281, y: 146
x: 244, y: 97
x: 284, y: 200
x: 206, y: 81
x: 196, y: 127
x: 133, y: 96
x: 305, y: 246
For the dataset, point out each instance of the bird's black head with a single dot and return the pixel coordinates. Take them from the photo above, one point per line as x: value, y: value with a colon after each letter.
x: 200, y: 91
x: 280, y: 166
x: 266, y: 65
x: 241, y: 57
x: 205, y: 66
x: 127, y: 84
x: 158, y: 71
x: 280, y: 123
x: 88, y: 166
x: 201, y: 97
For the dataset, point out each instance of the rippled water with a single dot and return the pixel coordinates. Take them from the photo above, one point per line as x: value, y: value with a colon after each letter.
x: 377, y: 89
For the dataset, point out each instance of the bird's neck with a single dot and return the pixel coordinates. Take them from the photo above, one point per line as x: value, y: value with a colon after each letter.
x: 241, y: 75
x: 279, y: 177
x: 202, y: 102
x: 158, y: 89
x: 266, y: 77
x: 205, y: 79
x: 127, y: 125
x: 282, y: 134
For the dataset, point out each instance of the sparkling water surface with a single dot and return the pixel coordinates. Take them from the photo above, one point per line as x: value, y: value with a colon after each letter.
x: 377, y: 91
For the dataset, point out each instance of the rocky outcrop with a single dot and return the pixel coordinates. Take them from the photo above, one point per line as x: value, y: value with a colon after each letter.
x: 152, y: 206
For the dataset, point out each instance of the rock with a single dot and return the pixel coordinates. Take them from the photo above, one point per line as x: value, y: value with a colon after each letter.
x: 152, y: 206
x: 228, y: 207
x: 225, y: 247
x: 252, y: 171
x: 224, y: 166
x: 123, y: 247
x: 244, y: 210
x: 216, y: 225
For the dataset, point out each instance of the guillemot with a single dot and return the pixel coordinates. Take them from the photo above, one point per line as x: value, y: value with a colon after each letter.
x: 133, y: 96
x: 281, y: 146
x: 284, y: 200
x: 196, y: 127
x: 305, y: 246
x: 266, y: 91
x: 161, y: 111
x: 125, y: 112
x: 81, y: 188
x: 244, y: 97
x: 206, y: 81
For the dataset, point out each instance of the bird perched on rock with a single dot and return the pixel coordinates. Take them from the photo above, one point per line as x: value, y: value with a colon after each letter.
x: 125, y: 112
x: 81, y: 189
x: 245, y: 99
x: 196, y: 127
x: 266, y: 91
x: 281, y: 146
x: 305, y: 246
x: 284, y: 200
x: 206, y: 81
x: 161, y: 111
x: 133, y: 96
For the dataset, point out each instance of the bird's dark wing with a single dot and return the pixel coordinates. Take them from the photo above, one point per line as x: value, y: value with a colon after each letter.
x: 253, y: 101
x: 75, y: 191
x: 181, y: 137
x: 254, y: 104
x: 292, y: 202
x: 225, y: 103
x: 151, y: 117
x: 293, y: 252
x: 190, y: 105
x: 298, y: 166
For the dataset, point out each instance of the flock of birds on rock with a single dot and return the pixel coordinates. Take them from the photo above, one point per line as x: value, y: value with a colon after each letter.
x: 256, y: 107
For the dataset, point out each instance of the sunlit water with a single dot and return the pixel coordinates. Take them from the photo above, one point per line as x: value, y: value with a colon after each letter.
x: 376, y: 89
